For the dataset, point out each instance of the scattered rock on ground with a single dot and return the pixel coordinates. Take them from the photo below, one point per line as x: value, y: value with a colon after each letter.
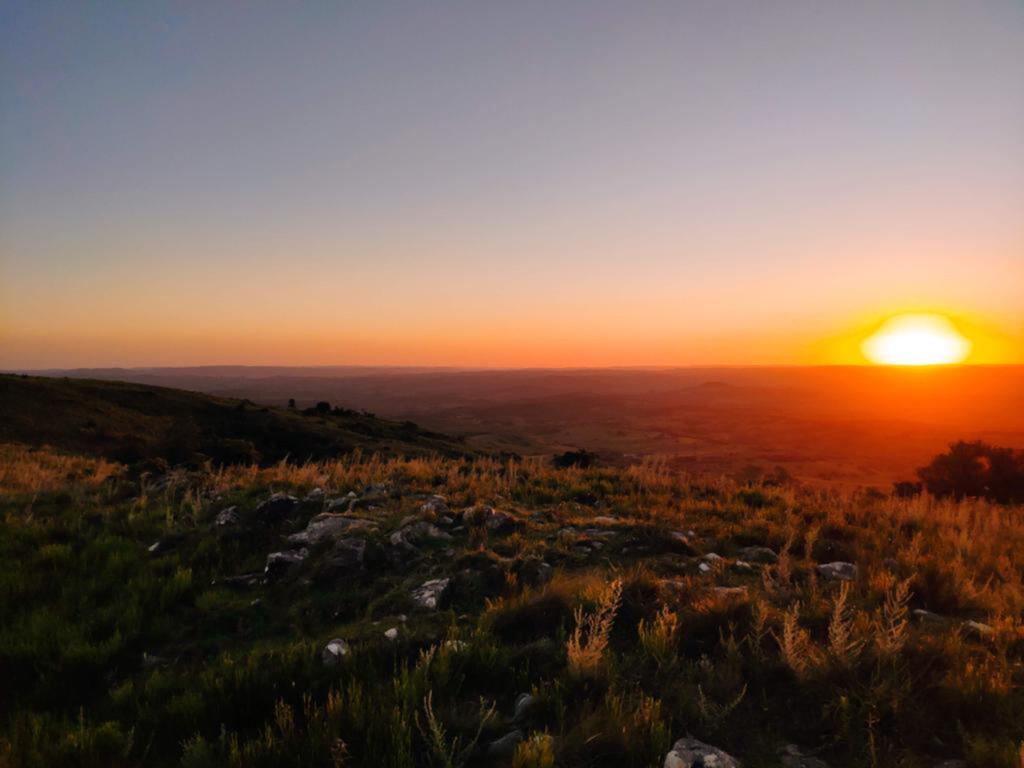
x: 430, y: 593
x: 838, y: 570
x: 690, y: 753
x: 276, y: 507
x: 317, y: 494
x: 333, y: 651
x: 326, y: 527
x: 391, y: 634
x: 505, y: 747
x: 435, y: 505
x: 415, y: 534
x: 928, y: 619
x: 977, y: 629
x: 793, y: 757
x: 280, y: 563
x: 524, y: 701
x: 227, y: 517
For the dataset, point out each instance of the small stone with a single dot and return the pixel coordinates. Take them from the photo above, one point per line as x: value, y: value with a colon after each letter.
x: 793, y: 757
x: 704, y: 568
x: 977, y: 629
x: 227, y: 517
x: 838, y: 570
x: 505, y: 747
x: 333, y: 652
x: 317, y: 494
x: 430, y: 593
x: 327, y: 527
x: 391, y: 634
x: 929, y: 619
x: 524, y: 701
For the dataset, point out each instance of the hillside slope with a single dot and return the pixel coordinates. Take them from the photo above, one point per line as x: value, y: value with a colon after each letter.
x: 133, y: 422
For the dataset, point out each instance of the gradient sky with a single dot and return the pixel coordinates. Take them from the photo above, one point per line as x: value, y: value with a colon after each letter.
x: 523, y: 183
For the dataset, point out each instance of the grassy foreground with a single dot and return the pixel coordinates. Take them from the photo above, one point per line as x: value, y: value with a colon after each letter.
x: 634, y: 606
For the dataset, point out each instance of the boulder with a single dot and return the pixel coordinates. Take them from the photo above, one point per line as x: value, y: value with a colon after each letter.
x: 341, y: 504
x: 276, y: 507
x: 505, y: 747
x: 317, y: 494
x: 838, y: 570
x: 333, y: 652
x: 430, y: 593
x: 281, y: 563
x: 680, y: 542
x: 328, y: 527
x: 690, y: 753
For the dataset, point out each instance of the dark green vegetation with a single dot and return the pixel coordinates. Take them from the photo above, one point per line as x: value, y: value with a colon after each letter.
x: 976, y: 470
x: 135, y: 422
x: 582, y: 587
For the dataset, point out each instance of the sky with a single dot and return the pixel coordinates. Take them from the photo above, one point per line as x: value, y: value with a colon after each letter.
x: 506, y: 184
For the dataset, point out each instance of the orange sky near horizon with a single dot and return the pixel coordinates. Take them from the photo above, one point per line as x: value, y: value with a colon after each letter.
x: 560, y: 184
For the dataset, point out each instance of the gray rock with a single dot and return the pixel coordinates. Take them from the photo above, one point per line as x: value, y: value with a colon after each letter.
x: 341, y: 504
x: 417, y: 534
x: 227, y: 517
x: 977, y: 629
x: 333, y: 652
x: 929, y: 619
x: 281, y: 563
x: 680, y: 542
x: 793, y: 757
x: 711, y: 557
x: 524, y: 702
x: 391, y: 634
x: 704, y: 568
x: 838, y: 570
x: 759, y: 555
x: 499, y: 522
x: 505, y: 747
x: 317, y: 494
x: 242, y: 581
x: 430, y: 593
x: 347, y: 554
x: 328, y: 527
x: 276, y: 507
x: 690, y: 753
x: 435, y: 505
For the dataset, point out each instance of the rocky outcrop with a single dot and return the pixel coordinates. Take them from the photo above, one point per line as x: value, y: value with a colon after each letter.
x: 281, y: 563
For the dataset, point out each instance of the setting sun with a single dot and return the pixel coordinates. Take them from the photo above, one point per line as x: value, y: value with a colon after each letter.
x: 917, y: 339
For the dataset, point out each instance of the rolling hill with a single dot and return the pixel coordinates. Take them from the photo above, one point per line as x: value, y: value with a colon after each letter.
x: 135, y: 422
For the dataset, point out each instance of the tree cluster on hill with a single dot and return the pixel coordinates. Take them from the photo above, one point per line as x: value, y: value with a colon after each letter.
x: 972, y: 470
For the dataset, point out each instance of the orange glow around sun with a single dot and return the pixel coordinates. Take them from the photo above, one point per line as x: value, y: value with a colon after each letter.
x: 916, y: 339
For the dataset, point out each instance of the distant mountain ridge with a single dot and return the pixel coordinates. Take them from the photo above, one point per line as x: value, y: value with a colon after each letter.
x: 135, y: 422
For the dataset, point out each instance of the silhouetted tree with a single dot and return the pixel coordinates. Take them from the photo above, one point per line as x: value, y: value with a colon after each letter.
x: 323, y: 407
x: 975, y: 469
x: 906, y: 489
x: 291, y: 403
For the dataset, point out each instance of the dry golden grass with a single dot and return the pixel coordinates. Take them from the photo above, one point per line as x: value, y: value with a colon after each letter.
x: 30, y: 470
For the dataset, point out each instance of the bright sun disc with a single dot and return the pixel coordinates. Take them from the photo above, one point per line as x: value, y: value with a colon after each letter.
x: 916, y: 340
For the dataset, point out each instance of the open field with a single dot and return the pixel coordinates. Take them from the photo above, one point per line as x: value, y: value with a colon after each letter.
x: 839, y: 426
x: 394, y: 612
